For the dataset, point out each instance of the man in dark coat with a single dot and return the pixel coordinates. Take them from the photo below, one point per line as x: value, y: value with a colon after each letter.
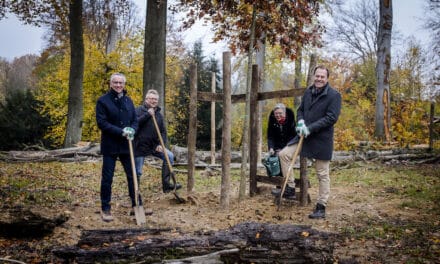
x: 317, y: 114
x: 147, y: 140
x: 280, y: 128
x: 116, y: 118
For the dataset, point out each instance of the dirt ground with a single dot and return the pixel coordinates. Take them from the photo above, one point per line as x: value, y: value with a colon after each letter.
x: 351, y: 209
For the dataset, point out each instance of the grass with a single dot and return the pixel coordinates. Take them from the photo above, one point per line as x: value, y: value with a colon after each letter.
x: 416, y: 186
x: 33, y: 183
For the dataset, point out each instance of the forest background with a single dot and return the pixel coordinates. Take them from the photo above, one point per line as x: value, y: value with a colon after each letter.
x: 34, y: 88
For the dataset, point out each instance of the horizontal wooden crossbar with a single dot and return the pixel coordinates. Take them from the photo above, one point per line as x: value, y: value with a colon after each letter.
x: 241, y: 98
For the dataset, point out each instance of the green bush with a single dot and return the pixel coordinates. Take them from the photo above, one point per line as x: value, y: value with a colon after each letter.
x: 21, y: 123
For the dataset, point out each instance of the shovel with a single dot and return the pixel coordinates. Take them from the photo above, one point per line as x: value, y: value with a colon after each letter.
x: 173, y: 177
x: 292, y: 163
x: 139, y: 211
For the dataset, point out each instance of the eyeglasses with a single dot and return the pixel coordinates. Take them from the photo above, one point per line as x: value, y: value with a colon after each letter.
x: 152, y: 98
x: 118, y: 82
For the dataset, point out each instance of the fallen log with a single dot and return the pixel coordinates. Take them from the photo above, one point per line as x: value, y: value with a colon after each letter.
x: 91, y: 151
x: 80, y: 153
x: 247, y: 242
x: 24, y: 223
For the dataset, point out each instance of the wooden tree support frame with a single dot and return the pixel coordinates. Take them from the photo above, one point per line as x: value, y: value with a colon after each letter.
x: 255, y: 123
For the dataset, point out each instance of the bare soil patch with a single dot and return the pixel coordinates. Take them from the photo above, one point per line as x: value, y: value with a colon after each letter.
x: 377, y: 221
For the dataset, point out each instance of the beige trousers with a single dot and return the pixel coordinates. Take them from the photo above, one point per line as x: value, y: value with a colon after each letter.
x: 322, y: 168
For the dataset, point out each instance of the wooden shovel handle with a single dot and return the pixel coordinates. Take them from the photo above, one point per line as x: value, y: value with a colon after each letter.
x: 133, y: 171
x: 162, y: 144
x: 292, y: 163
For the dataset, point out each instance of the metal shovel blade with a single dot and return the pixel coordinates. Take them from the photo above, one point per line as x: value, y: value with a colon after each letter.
x: 179, y: 199
x: 139, y: 213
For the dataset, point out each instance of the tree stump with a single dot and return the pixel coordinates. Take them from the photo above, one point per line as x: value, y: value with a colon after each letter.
x: 247, y: 242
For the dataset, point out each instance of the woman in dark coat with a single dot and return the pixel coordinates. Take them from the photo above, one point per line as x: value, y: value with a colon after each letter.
x: 281, y: 128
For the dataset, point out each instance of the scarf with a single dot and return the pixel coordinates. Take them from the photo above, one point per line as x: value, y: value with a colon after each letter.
x: 282, y: 121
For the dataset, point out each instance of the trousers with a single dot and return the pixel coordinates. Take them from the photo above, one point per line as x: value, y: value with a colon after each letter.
x: 108, y: 170
x: 322, y: 168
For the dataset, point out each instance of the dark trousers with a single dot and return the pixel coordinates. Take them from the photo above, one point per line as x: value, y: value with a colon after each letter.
x: 139, y: 163
x: 108, y: 170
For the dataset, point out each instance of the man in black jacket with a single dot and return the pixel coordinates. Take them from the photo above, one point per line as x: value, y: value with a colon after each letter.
x: 317, y: 114
x: 147, y: 140
x: 116, y: 118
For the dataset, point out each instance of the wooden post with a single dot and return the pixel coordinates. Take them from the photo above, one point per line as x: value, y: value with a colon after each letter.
x: 253, y: 132
x: 192, y: 127
x: 304, y: 197
x: 226, y: 132
x: 213, y: 121
x: 431, y: 126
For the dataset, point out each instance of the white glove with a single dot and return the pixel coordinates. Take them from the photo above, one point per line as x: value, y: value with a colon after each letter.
x: 128, y: 132
x: 302, y: 129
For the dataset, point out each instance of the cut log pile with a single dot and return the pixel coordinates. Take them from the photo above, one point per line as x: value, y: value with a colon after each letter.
x: 82, y: 153
x: 91, y: 152
x: 247, y: 242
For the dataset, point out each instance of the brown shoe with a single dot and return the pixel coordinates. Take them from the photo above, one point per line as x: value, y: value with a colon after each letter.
x: 106, y: 216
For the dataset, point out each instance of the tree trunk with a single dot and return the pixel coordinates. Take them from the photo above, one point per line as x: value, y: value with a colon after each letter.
x: 75, y: 99
x: 383, y: 66
x: 245, y: 141
x: 112, y: 34
x: 304, y: 198
x: 312, y: 65
x: 253, y: 132
x: 192, y: 127
x: 431, y: 125
x: 298, y: 77
x: 154, y: 49
x: 226, y: 132
x: 260, y: 56
x: 212, y: 120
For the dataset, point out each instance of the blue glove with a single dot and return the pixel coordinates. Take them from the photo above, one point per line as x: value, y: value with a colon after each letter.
x: 128, y: 132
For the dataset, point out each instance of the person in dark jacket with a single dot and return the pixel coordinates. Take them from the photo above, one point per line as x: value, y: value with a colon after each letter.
x: 281, y: 128
x: 147, y: 140
x: 317, y: 114
x: 116, y: 118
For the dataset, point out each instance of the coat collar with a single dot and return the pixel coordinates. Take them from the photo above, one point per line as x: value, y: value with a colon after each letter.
x: 115, y: 94
x: 323, y: 93
x: 325, y: 89
x: 145, y: 108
